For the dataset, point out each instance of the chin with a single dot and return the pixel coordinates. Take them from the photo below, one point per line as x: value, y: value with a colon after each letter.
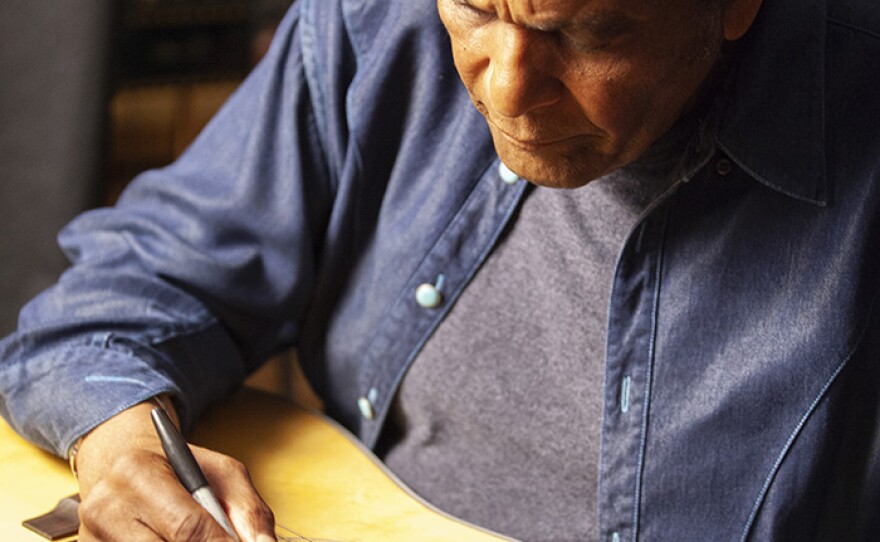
x: 554, y: 169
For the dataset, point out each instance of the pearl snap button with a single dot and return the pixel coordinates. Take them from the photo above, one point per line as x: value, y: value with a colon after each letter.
x: 366, y: 408
x: 428, y: 296
x: 506, y: 174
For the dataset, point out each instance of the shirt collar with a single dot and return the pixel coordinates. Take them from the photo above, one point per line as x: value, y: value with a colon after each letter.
x: 773, y: 116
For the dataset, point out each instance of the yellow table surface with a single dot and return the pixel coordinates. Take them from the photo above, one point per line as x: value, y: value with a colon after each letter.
x: 319, y: 480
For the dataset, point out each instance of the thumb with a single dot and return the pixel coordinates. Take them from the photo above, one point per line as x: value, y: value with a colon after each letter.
x: 249, y: 514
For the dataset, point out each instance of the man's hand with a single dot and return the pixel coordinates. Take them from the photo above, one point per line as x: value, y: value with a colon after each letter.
x: 130, y: 492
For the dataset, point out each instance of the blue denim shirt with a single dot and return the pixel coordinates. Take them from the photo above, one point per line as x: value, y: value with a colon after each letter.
x: 743, y: 354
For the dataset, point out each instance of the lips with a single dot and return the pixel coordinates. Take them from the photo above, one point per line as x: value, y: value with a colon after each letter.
x: 531, y: 142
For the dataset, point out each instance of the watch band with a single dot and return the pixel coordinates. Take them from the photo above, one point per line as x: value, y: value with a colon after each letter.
x: 71, y: 457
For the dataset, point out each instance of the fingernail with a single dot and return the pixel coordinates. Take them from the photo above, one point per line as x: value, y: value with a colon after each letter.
x: 266, y: 538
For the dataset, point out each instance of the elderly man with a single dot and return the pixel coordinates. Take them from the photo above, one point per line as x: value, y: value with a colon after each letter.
x: 682, y: 345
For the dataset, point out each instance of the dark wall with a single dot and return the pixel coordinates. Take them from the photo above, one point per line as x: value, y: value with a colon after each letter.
x: 53, y: 60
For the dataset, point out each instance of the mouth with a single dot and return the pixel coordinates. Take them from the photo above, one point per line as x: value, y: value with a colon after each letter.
x: 531, y: 143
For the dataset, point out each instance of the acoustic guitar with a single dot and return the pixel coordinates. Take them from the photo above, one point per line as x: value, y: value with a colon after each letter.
x: 322, y: 484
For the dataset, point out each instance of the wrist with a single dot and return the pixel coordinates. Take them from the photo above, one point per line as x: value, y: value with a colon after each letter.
x: 159, y: 401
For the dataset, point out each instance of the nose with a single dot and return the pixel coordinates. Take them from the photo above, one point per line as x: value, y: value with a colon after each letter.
x: 519, y: 75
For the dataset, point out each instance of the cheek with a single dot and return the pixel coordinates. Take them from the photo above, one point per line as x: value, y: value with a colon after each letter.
x: 610, y: 95
x: 465, y: 64
x: 465, y: 45
x: 470, y: 62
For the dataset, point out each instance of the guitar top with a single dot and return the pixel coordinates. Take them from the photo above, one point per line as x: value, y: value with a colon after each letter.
x: 322, y: 484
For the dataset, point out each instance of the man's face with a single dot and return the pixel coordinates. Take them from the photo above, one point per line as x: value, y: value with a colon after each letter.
x: 573, y: 89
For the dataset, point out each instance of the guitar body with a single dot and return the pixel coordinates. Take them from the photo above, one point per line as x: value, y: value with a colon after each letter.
x: 322, y: 484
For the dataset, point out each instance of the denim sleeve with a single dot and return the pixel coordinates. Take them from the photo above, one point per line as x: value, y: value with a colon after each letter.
x: 198, y: 274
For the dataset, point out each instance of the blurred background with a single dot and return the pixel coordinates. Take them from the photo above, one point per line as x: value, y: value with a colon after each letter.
x: 92, y: 92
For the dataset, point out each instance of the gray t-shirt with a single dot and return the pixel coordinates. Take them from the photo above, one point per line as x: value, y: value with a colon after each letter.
x: 498, y: 419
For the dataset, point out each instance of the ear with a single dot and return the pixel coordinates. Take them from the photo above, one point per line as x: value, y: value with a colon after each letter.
x: 738, y: 17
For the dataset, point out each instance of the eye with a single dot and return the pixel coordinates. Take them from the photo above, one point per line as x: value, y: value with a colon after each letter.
x: 589, y: 39
x: 467, y: 9
x: 598, y: 32
x: 582, y: 43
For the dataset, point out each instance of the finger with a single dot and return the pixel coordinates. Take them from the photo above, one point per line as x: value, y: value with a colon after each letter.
x: 250, y: 515
x: 170, y: 511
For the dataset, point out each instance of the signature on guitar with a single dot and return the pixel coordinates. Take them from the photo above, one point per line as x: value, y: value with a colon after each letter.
x: 293, y: 536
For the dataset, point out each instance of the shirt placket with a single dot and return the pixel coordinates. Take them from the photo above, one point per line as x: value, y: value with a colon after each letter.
x: 429, y: 294
x: 632, y: 318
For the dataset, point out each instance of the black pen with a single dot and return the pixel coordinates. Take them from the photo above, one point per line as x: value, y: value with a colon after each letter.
x: 187, y: 469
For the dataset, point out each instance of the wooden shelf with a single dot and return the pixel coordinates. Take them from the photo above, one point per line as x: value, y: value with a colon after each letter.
x: 175, y: 63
